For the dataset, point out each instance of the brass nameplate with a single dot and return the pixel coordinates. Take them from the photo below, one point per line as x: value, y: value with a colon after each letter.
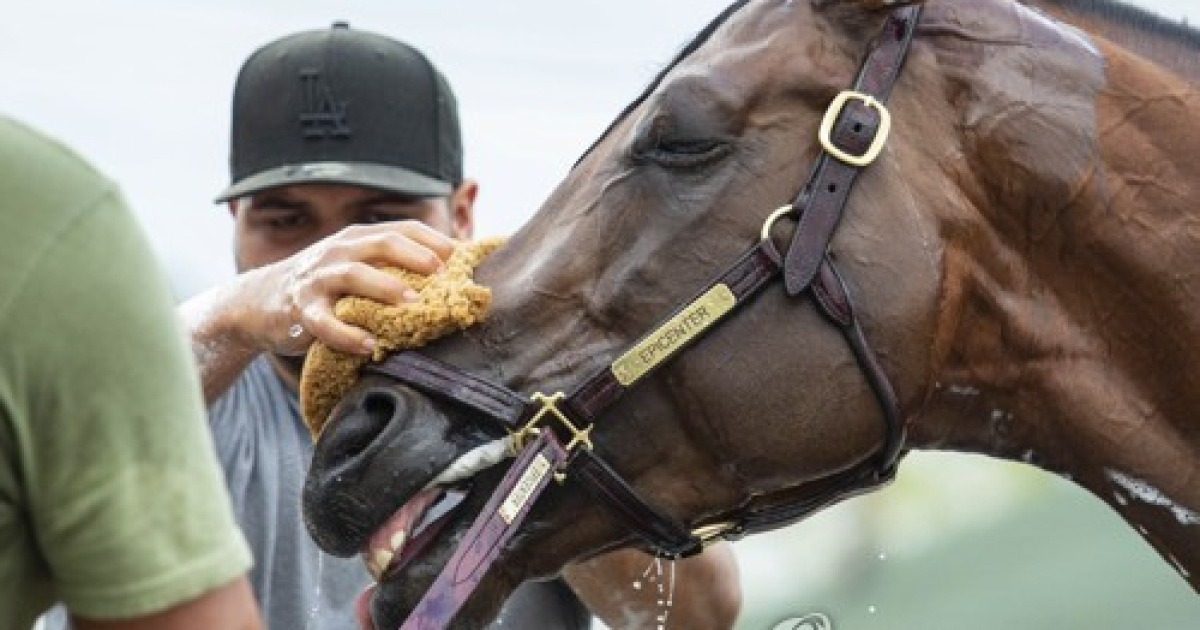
x: 661, y: 344
x: 524, y: 489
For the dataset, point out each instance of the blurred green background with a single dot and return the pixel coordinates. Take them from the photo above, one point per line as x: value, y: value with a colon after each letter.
x: 963, y: 542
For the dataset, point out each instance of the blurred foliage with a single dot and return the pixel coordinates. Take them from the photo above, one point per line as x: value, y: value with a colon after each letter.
x: 965, y: 543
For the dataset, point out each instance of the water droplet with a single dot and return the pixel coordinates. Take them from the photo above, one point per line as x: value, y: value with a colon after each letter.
x: 871, y: 609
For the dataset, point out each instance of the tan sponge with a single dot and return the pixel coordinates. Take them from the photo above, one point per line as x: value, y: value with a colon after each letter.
x: 448, y: 300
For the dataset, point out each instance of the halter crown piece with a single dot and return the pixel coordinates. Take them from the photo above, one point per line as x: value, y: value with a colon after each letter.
x: 852, y: 136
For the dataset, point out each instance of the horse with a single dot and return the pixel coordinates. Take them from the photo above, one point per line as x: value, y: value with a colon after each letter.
x: 1015, y: 270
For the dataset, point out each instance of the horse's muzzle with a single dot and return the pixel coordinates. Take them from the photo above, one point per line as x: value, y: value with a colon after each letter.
x: 382, y: 445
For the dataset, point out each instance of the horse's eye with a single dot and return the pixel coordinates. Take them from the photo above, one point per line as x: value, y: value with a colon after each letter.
x: 682, y: 153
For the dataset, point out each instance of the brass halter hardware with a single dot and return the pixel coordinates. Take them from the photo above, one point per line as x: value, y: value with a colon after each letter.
x: 775, y: 215
x: 709, y: 534
x: 825, y: 133
x: 579, y: 437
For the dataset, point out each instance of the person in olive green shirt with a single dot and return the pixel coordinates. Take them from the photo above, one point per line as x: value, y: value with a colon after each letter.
x: 110, y: 495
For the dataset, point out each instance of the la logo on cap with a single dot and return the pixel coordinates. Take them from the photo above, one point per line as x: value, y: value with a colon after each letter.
x: 324, y: 116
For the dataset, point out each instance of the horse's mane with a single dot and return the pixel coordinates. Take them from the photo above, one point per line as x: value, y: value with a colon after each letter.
x: 1130, y: 15
x: 1173, y: 44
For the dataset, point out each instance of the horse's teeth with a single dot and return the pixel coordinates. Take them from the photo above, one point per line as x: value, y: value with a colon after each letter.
x: 398, y: 540
x: 380, y: 560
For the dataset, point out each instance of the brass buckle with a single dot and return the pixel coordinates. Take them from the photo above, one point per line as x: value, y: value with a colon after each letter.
x: 709, y: 534
x: 831, y: 116
x: 550, y: 406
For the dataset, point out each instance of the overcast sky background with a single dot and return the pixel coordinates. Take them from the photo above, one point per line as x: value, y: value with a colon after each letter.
x: 142, y: 88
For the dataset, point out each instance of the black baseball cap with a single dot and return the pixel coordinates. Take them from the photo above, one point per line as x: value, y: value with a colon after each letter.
x: 343, y: 106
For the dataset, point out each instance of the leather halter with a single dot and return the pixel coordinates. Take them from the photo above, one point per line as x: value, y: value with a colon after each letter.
x: 851, y: 136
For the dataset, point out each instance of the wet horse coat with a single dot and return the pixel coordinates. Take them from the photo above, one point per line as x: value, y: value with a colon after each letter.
x: 1022, y: 257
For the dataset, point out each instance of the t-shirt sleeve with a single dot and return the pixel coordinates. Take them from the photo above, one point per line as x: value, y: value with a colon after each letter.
x: 123, y: 488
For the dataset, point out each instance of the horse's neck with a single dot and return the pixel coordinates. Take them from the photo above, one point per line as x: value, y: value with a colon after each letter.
x: 1170, y: 45
x: 1071, y: 303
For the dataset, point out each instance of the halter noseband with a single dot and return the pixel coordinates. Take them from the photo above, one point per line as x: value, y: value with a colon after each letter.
x: 852, y: 134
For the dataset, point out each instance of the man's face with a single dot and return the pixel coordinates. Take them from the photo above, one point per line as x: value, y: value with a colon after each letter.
x: 276, y: 223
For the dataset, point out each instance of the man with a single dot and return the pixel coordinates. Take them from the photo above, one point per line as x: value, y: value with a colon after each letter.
x: 346, y: 155
x: 110, y: 496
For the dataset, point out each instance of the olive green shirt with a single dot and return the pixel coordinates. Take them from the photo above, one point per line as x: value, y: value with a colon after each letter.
x: 110, y: 495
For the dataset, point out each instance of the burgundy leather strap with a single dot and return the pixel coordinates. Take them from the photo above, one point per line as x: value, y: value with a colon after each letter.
x: 805, y: 500
x: 833, y: 297
x: 436, y: 378
x: 661, y: 533
x: 822, y: 199
x: 751, y: 272
x: 493, y: 527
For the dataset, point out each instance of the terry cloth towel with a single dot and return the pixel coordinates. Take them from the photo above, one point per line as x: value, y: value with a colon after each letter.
x: 448, y: 300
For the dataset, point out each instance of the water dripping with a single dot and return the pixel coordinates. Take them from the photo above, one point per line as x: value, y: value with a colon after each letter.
x: 316, y: 607
x: 664, y: 590
x: 666, y: 608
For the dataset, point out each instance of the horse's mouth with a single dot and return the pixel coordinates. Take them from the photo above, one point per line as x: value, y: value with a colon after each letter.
x: 396, y: 554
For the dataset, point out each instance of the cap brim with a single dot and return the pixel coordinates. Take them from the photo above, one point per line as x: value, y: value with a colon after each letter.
x: 389, y: 178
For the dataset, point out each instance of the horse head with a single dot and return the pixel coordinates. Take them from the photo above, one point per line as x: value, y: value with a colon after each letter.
x: 968, y: 251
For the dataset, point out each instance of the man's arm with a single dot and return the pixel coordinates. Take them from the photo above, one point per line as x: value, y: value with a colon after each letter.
x: 229, y: 607
x: 127, y: 506
x: 257, y: 311
x: 707, y: 590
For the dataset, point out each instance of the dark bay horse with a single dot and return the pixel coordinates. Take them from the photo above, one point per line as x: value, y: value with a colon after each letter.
x: 1024, y: 257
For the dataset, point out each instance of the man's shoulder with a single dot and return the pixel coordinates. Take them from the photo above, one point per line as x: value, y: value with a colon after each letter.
x: 41, y: 176
x: 47, y: 188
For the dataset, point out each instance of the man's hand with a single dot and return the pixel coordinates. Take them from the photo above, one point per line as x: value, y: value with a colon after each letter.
x: 707, y: 590
x: 303, y: 288
x: 284, y: 306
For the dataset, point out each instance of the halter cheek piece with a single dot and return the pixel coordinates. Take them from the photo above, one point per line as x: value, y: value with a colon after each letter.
x: 852, y: 135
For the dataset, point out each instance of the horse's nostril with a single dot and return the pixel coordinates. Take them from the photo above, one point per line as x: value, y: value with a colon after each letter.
x: 379, y: 406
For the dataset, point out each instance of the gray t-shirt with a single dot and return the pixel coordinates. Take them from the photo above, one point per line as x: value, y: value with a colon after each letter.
x: 265, y: 448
